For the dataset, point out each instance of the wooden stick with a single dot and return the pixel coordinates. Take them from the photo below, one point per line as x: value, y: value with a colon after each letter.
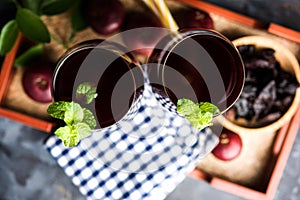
x: 160, y: 8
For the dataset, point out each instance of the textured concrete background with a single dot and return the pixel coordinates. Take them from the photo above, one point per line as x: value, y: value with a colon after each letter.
x: 28, y: 172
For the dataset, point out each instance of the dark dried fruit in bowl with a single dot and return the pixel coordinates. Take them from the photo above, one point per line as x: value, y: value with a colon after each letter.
x: 246, y: 50
x: 268, y: 91
x: 264, y: 101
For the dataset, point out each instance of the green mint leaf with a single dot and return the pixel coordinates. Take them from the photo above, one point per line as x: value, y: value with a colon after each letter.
x: 187, y: 107
x: 71, y: 135
x: 79, y: 121
x: 78, y: 21
x: 89, y: 118
x: 8, y: 36
x: 88, y: 92
x: 58, y: 109
x: 208, y: 107
x: 91, y: 95
x: 73, y: 114
x: 33, y: 5
x: 53, y: 7
x: 29, y: 55
x: 200, y: 115
x: 82, y: 130
x: 68, y: 135
x: 204, y: 120
x: 83, y: 88
x: 32, y: 26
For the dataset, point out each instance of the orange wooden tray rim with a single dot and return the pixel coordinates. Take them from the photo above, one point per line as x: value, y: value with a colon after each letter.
x: 27, y: 120
x: 5, y: 77
x: 284, y: 32
x: 7, y: 68
x: 284, y: 155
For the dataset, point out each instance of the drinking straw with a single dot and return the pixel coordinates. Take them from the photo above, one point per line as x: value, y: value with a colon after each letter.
x: 160, y: 8
x: 152, y: 7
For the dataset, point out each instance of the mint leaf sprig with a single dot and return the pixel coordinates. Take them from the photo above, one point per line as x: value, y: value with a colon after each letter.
x: 87, y: 91
x: 79, y: 121
x: 200, y: 114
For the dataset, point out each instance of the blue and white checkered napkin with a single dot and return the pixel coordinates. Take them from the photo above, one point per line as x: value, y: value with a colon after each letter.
x: 143, y: 156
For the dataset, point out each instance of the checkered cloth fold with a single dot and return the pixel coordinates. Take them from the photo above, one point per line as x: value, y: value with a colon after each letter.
x: 143, y: 156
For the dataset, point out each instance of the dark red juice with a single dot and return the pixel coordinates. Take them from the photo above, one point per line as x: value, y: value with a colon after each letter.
x: 202, y: 66
x: 107, y: 70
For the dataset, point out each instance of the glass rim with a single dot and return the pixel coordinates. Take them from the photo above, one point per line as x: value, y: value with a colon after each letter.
x: 184, y: 34
x: 92, y: 45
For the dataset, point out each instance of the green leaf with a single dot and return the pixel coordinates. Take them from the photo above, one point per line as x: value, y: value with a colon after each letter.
x: 73, y: 114
x: 88, y: 91
x: 91, y: 95
x: 83, y: 88
x: 89, y: 118
x: 186, y: 107
x: 32, y: 26
x: 8, y: 36
x: 53, y: 7
x: 71, y: 135
x: 68, y: 135
x: 83, y: 130
x: 33, y: 5
x: 80, y: 121
x: 208, y: 107
x: 29, y: 55
x: 77, y: 18
x: 200, y: 115
x: 58, y: 109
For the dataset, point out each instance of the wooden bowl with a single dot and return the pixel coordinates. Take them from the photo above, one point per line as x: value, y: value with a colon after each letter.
x: 289, y: 63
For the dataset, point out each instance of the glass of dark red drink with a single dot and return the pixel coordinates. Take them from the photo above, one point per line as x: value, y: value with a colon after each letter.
x: 201, y: 65
x: 105, y: 65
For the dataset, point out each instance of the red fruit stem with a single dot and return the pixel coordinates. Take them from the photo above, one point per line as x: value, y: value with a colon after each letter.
x: 224, y: 139
x: 41, y: 82
x: 199, y: 16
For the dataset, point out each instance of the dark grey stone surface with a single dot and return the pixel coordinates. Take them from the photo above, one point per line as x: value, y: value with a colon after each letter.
x: 28, y: 172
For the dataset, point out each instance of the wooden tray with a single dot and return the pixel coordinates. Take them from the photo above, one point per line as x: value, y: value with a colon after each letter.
x: 267, y: 163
